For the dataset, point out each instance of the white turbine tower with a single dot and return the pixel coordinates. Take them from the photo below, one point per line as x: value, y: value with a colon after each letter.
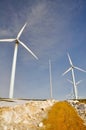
x: 17, y: 42
x: 51, y: 95
x: 73, y: 75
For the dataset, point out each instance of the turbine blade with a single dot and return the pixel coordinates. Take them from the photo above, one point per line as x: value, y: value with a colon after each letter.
x: 19, y: 34
x: 79, y: 69
x: 67, y: 71
x: 70, y: 81
x: 28, y: 49
x: 7, y: 40
x: 78, y: 82
x: 70, y: 59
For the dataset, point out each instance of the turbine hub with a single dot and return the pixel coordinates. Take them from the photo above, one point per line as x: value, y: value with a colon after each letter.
x: 72, y: 67
x: 16, y: 41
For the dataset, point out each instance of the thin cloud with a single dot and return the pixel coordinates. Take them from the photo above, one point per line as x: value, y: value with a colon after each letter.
x: 53, y: 29
x: 48, y: 26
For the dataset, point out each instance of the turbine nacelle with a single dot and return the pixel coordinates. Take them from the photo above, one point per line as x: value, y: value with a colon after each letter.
x: 16, y: 41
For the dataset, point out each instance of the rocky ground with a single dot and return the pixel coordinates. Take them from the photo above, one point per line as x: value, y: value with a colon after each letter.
x: 80, y: 108
x: 23, y: 114
x: 28, y: 115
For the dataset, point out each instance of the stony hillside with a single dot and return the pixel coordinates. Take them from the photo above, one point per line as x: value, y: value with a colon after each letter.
x: 42, y: 115
x: 23, y: 115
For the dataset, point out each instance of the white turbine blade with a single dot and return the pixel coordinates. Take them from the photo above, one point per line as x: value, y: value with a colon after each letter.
x: 28, y: 49
x: 79, y: 69
x: 7, y: 40
x: 78, y: 82
x: 70, y: 59
x: 19, y: 34
x: 67, y: 71
x: 70, y: 81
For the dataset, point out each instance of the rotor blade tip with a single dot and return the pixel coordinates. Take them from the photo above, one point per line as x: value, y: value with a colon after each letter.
x: 37, y: 58
x: 25, y: 24
x: 67, y: 53
x: 63, y: 74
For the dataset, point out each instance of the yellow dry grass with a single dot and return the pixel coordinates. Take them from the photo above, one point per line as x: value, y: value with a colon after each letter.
x: 62, y: 116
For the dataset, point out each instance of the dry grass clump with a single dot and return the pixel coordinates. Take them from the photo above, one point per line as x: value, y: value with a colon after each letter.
x: 62, y: 116
x: 82, y: 100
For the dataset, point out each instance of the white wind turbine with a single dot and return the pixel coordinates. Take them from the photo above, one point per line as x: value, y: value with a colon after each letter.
x: 77, y: 83
x: 73, y: 75
x: 17, y: 42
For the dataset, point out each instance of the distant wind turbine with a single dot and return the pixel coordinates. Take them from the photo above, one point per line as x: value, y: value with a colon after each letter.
x: 77, y: 83
x: 51, y: 95
x: 17, y: 42
x: 73, y: 75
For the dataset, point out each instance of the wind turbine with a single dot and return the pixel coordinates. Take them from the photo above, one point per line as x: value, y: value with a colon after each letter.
x: 17, y: 42
x: 73, y: 75
x: 51, y: 95
x: 77, y: 83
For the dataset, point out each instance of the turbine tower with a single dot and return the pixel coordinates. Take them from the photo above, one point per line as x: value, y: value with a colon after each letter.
x: 17, y: 42
x: 51, y: 95
x: 73, y: 75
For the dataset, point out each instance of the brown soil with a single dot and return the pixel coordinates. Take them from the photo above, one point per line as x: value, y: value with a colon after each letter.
x: 62, y: 116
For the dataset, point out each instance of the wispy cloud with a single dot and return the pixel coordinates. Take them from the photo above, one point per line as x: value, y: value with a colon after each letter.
x: 49, y: 31
x: 52, y: 30
x: 48, y: 25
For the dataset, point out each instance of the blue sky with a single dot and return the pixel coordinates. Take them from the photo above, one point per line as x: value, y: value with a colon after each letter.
x: 53, y: 29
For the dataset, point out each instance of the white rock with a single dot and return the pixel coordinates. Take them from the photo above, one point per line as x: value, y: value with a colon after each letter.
x: 41, y: 124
